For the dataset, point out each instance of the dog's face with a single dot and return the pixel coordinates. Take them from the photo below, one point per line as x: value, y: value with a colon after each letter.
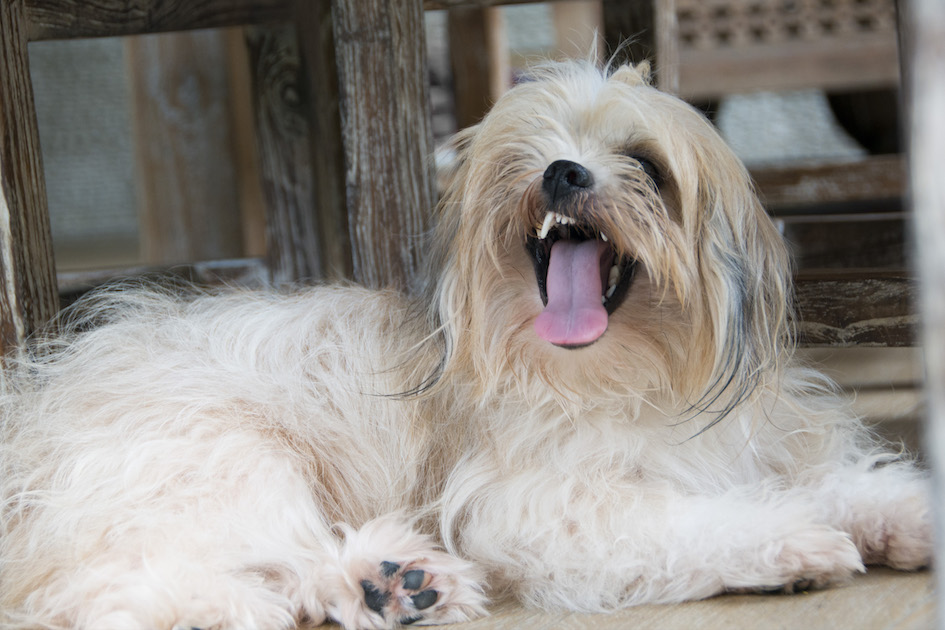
x: 598, y: 235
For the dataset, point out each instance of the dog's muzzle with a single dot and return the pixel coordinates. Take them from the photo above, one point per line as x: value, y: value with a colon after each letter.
x: 581, y: 278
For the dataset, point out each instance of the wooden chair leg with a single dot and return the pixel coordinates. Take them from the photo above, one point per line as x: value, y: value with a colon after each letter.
x: 480, y: 60
x: 28, y: 295
x: 385, y: 123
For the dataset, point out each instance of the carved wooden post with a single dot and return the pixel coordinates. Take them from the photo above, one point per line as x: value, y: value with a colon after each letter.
x: 386, y: 135
x: 28, y: 295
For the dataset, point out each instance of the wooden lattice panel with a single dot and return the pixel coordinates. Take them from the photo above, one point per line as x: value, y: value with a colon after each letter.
x: 736, y: 45
x: 725, y: 23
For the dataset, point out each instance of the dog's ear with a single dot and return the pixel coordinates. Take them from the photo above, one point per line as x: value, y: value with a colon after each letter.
x: 744, y: 271
x: 634, y: 75
x: 452, y: 173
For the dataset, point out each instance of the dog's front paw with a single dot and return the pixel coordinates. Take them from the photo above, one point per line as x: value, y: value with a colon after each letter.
x: 405, y: 594
x: 420, y: 592
x: 394, y: 576
x: 901, y: 538
x: 809, y: 558
x: 816, y: 558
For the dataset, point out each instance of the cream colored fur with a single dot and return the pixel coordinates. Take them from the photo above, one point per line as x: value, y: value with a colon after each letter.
x: 255, y: 460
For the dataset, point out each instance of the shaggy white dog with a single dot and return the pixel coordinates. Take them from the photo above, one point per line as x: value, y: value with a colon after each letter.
x: 593, y: 405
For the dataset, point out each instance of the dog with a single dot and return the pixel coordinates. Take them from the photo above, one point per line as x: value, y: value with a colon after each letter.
x: 592, y: 403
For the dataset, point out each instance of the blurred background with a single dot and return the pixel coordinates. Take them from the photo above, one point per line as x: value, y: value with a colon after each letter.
x: 109, y: 109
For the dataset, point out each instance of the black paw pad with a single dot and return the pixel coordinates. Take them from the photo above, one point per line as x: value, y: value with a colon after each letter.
x: 388, y: 569
x: 374, y: 598
x: 413, y: 579
x: 425, y: 599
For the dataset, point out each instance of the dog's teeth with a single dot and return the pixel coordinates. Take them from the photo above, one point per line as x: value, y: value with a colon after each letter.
x: 546, y: 226
x: 613, y: 276
x: 603, y: 237
x: 610, y: 292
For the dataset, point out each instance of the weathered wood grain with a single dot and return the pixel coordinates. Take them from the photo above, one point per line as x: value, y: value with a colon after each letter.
x: 188, y: 201
x: 470, y: 30
x: 320, y: 75
x: 801, y: 65
x: 386, y: 134
x: 877, y: 177
x: 282, y: 136
x: 866, y: 307
x: 856, y: 240
x: 67, y: 19
x: 27, y: 274
x: 245, y: 154
x: 70, y: 19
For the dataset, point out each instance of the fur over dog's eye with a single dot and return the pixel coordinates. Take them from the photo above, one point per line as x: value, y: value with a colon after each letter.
x: 650, y: 168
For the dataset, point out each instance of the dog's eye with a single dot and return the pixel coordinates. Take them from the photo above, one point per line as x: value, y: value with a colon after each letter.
x: 650, y: 168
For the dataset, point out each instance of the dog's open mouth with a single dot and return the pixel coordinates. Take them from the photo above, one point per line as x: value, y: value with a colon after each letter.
x: 582, y: 280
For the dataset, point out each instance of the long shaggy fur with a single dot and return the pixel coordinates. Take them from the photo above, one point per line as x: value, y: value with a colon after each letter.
x: 260, y: 460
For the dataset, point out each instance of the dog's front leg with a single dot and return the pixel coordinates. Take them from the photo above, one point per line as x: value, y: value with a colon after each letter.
x: 600, y: 547
x: 885, y: 506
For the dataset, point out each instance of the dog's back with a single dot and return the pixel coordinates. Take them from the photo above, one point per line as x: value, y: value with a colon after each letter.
x: 161, y: 441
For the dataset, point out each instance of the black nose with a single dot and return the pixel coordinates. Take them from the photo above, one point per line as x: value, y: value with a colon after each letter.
x: 563, y: 178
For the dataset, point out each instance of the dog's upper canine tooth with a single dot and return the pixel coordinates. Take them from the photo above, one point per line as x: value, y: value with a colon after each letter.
x: 603, y: 237
x: 546, y: 225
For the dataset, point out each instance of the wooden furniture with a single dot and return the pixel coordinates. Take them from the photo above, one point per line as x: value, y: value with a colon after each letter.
x: 727, y: 46
x: 339, y: 201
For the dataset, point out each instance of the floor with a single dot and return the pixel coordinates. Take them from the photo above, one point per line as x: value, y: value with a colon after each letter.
x: 880, y: 600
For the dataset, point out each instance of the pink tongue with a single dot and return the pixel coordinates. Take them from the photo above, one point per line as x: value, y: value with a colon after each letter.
x: 574, y: 315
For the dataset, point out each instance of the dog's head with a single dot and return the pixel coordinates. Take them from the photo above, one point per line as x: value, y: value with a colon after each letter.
x: 598, y: 235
